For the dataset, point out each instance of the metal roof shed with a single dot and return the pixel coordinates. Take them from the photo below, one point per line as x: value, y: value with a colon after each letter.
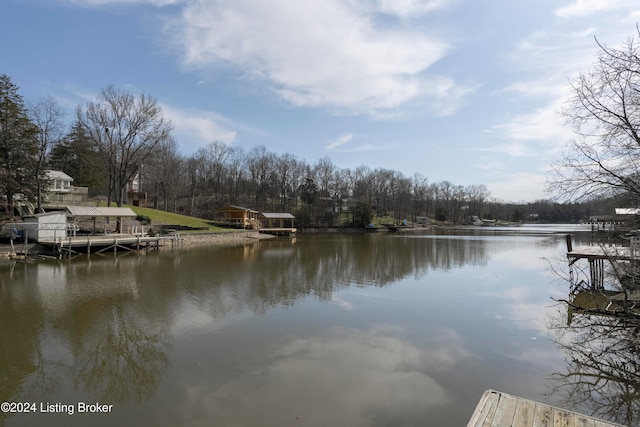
x: 277, y: 220
x: 82, y: 212
x: 48, y: 225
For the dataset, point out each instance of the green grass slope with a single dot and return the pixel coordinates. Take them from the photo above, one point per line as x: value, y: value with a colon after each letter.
x: 162, y: 217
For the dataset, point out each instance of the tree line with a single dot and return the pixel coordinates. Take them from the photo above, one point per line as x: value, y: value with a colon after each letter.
x: 120, y: 136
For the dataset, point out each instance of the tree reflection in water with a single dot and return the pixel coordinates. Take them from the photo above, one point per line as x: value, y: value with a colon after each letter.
x: 602, y: 351
x: 125, y: 362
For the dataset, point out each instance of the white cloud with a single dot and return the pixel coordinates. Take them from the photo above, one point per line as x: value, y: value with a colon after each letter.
x: 196, y: 128
x: 594, y: 7
x: 339, y: 145
x: 408, y: 8
x: 350, y: 371
x: 157, y: 3
x: 515, y: 149
x: 516, y: 186
x: 543, y: 125
x: 343, y: 139
x: 321, y: 53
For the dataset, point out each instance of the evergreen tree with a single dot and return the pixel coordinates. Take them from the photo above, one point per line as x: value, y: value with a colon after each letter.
x: 76, y: 156
x: 18, y: 146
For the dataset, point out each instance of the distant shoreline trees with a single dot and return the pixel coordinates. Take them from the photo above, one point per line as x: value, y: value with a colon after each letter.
x: 121, y: 135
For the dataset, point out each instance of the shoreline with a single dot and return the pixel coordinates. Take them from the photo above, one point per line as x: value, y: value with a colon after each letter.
x: 227, y: 238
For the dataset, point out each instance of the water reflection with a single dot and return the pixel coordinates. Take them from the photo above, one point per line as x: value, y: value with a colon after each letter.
x: 343, y: 376
x: 602, y: 351
x: 114, y: 328
x: 82, y: 323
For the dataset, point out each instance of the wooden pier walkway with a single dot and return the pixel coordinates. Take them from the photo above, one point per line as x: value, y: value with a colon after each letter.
x: 602, y: 252
x: 497, y: 409
x: 596, y: 257
x: 279, y: 231
x: 101, y: 243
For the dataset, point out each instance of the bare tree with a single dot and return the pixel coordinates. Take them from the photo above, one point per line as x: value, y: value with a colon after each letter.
x: 160, y: 173
x: 47, y: 115
x: 125, y: 130
x: 604, y: 158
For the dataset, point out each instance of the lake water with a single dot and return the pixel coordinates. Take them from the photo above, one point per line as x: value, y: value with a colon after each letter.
x: 323, y: 330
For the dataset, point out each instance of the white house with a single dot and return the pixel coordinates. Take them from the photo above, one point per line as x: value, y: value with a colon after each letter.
x: 62, y: 192
x: 60, y: 181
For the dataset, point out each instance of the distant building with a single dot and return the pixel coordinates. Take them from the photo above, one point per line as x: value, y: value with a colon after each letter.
x: 136, y: 197
x: 277, y: 223
x: 61, y: 192
x: 277, y: 220
x: 236, y: 216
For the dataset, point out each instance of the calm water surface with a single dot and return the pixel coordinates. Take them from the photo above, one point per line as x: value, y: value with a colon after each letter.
x: 341, y: 330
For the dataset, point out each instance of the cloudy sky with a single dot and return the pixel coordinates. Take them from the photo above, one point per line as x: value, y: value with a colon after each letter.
x: 461, y: 90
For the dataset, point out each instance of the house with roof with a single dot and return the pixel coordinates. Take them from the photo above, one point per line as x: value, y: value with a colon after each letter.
x: 236, y: 216
x: 61, y: 191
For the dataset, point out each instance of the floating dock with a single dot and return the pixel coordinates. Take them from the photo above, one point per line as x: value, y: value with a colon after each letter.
x: 497, y: 409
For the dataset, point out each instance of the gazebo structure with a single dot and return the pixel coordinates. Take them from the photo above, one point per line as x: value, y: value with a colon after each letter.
x: 277, y: 223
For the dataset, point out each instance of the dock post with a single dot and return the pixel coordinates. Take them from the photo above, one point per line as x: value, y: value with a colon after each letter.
x: 569, y: 243
x: 596, y: 270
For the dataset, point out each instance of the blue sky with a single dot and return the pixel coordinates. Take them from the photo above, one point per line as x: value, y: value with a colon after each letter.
x: 458, y: 90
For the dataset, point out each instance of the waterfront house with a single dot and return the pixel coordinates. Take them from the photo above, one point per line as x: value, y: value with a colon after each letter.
x: 61, y: 191
x: 236, y: 216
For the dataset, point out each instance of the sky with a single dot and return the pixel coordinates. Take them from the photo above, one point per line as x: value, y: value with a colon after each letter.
x: 465, y: 91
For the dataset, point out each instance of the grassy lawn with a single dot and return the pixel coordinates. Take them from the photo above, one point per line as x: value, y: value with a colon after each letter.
x: 162, y: 217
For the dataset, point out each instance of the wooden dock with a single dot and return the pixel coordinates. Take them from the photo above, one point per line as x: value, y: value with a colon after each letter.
x: 602, y: 252
x: 596, y: 257
x: 497, y: 409
x: 102, y: 243
x: 279, y: 231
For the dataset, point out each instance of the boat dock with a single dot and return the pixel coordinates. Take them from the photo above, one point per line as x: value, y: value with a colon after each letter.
x: 497, y: 409
x: 597, y: 255
x: 279, y: 231
x: 101, y: 243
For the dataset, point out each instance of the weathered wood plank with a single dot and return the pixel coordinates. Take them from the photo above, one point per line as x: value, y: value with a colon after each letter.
x: 543, y: 416
x: 584, y: 421
x: 505, y: 410
x: 600, y: 252
x: 525, y: 412
x: 491, y: 405
x: 497, y: 409
x: 562, y: 418
x: 487, y: 401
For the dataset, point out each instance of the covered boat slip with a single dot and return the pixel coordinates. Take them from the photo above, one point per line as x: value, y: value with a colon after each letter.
x: 76, y: 214
x: 497, y: 409
x: 58, y: 230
